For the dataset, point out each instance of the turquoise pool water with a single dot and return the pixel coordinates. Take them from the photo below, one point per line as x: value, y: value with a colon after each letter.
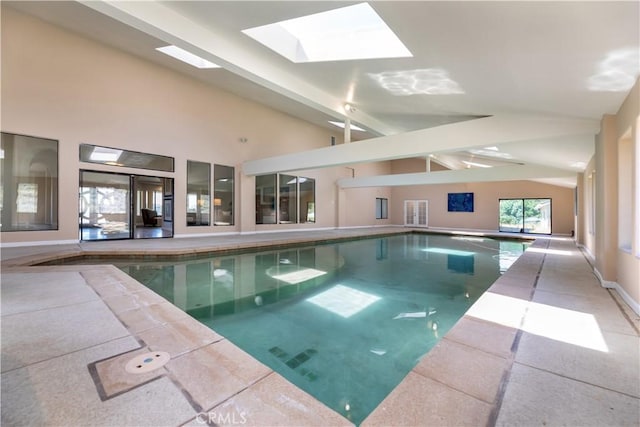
x: 345, y: 322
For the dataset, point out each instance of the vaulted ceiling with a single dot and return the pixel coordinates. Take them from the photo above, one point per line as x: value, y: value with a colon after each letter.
x: 488, y: 83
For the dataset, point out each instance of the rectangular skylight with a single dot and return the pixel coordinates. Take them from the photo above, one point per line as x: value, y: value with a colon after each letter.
x: 341, y: 125
x: 347, y: 33
x: 188, y: 57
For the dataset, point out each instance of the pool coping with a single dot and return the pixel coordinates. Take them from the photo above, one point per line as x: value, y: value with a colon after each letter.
x: 477, y: 402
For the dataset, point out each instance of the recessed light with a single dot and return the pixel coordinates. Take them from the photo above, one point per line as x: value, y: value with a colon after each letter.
x: 347, y: 33
x: 352, y: 127
x: 185, y: 56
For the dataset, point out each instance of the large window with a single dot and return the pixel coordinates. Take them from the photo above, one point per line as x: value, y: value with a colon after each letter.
x: 119, y: 157
x: 307, y: 196
x: 296, y: 199
x: 28, y: 183
x: 223, y: 183
x: 288, y: 199
x: 525, y: 216
x: 266, y: 199
x: 198, y: 193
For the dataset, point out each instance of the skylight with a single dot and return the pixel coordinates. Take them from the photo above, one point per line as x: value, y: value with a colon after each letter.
x: 341, y: 125
x: 348, y: 33
x: 188, y: 57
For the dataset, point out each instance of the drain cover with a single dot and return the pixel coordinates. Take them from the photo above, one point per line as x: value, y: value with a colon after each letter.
x: 147, y: 362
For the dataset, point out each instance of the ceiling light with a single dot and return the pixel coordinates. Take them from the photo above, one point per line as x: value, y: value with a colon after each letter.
x: 347, y: 33
x: 188, y: 57
x: 349, y: 108
x: 341, y: 125
x: 428, y: 81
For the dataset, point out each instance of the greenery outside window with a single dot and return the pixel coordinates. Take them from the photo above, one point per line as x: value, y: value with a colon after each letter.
x: 198, y: 193
x: 28, y: 183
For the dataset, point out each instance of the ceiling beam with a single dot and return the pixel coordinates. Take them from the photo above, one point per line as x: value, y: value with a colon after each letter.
x: 162, y: 22
x: 500, y: 173
x: 482, y: 132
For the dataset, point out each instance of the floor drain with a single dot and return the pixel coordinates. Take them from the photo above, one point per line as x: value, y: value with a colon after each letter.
x: 147, y: 362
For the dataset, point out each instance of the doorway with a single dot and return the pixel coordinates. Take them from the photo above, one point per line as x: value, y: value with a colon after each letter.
x: 525, y: 216
x: 416, y: 213
x: 117, y: 206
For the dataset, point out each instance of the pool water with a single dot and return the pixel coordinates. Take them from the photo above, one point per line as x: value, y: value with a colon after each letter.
x: 345, y: 322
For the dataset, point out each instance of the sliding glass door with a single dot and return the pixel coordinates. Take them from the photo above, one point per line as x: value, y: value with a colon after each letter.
x: 118, y: 206
x: 525, y: 216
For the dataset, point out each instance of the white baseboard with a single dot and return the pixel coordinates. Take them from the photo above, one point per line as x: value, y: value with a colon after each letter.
x: 40, y: 243
x: 291, y: 230
x: 227, y: 233
x: 635, y: 306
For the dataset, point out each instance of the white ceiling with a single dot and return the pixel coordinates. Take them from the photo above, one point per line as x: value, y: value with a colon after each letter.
x: 534, y: 59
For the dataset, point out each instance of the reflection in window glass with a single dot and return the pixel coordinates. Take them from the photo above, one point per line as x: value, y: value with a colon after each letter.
x: 288, y: 199
x: 104, y: 206
x: 266, y: 199
x: 382, y: 208
x: 307, y: 196
x: 28, y: 183
x: 132, y: 159
x: 223, y: 183
x: 198, y: 193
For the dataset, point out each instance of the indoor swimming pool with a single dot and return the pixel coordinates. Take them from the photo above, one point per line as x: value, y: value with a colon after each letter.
x: 343, y: 321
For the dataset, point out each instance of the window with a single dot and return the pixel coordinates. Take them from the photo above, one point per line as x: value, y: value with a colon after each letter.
x: 296, y: 199
x: 132, y: 159
x: 223, y: 184
x: 28, y: 183
x: 382, y: 208
x: 198, y: 193
x: 625, y: 192
x: 288, y: 199
x: 307, y: 196
x: 525, y: 216
x: 266, y: 199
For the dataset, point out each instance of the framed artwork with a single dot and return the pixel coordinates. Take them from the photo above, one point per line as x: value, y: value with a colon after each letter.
x: 460, y: 202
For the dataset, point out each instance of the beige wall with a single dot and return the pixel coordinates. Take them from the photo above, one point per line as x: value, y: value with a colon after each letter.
x: 58, y: 85
x: 486, y: 209
x: 628, y: 261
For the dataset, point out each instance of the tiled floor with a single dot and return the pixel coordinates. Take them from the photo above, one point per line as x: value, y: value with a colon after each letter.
x: 546, y: 345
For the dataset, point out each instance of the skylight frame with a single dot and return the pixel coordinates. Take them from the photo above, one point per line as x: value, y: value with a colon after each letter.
x: 348, y: 33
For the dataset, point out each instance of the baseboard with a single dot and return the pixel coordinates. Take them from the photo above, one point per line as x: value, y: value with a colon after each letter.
x: 291, y: 230
x: 183, y: 236
x: 40, y: 243
x: 620, y: 290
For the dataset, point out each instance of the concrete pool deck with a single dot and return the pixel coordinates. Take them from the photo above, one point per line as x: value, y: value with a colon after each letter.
x: 546, y: 345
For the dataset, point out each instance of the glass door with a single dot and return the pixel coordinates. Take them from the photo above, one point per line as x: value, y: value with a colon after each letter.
x: 104, y: 206
x: 525, y: 216
x: 416, y: 213
x: 151, y: 205
x: 119, y: 206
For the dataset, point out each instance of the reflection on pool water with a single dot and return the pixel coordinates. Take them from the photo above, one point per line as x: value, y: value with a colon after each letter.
x: 345, y: 322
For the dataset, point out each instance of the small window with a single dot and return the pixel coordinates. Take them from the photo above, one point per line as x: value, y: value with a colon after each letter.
x: 382, y: 207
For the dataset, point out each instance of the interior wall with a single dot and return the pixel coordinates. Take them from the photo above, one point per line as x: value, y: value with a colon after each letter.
x: 486, y: 203
x: 627, y: 262
x: 59, y: 85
